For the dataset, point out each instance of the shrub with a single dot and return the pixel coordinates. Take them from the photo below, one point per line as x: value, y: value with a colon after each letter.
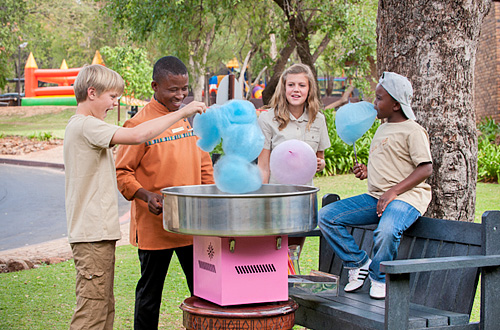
x: 40, y: 136
x: 488, y: 156
x: 339, y: 158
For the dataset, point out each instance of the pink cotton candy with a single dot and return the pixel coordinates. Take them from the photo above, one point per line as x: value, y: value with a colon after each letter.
x: 293, y: 162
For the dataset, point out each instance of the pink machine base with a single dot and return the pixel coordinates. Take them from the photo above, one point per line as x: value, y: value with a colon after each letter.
x: 256, y: 271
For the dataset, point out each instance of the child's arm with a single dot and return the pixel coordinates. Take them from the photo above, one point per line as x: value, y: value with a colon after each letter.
x: 152, y: 128
x: 263, y: 163
x: 422, y: 172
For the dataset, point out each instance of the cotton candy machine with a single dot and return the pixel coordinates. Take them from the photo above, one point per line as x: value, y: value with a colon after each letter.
x: 240, y: 240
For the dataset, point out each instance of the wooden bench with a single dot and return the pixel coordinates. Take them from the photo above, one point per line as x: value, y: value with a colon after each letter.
x: 431, y: 285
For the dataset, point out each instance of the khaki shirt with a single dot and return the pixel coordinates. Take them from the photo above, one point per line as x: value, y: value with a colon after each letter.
x: 395, y: 152
x: 91, y: 191
x: 316, y: 136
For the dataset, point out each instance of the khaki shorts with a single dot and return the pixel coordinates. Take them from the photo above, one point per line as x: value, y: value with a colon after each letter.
x: 95, y: 271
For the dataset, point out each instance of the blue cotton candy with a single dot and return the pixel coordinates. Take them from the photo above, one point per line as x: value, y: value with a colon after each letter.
x: 242, y: 141
x: 245, y: 141
x: 205, y: 126
x: 235, y: 175
x: 240, y: 112
x: 353, y: 120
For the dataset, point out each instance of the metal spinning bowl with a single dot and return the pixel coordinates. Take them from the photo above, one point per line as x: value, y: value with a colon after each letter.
x: 204, y: 210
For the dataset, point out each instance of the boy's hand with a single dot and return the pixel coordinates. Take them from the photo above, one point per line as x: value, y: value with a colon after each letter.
x: 360, y: 171
x: 193, y: 108
x: 384, y: 200
x: 155, y: 203
x: 154, y: 200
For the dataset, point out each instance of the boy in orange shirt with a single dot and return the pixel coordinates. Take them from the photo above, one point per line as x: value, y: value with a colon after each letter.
x: 172, y: 159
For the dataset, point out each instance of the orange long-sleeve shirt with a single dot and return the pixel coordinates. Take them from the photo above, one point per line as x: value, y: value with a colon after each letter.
x: 171, y: 159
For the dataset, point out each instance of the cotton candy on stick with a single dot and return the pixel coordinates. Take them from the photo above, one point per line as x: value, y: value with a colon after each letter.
x: 242, y: 141
x: 353, y: 120
x: 293, y: 162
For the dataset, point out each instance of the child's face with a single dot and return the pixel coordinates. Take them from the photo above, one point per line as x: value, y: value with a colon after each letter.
x: 171, y: 90
x: 296, y: 89
x: 104, y: 103
x: 385, y: 105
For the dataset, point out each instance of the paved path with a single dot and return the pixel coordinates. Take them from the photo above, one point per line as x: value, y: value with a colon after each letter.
x: 32, y: 219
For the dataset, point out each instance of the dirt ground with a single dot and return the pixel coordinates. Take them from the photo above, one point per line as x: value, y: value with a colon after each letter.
x: 16, y: 145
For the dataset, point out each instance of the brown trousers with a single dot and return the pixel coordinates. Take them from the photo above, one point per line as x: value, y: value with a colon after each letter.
x: 95, y: 272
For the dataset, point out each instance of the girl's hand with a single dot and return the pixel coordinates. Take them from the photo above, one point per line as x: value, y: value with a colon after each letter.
x: 320, y: 164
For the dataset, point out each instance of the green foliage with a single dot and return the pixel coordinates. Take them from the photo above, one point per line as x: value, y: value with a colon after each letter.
x: 353, y: 48
x: 489, y: 129
x: 40, y: 136
x: 134, y: 67
x: 339, y: 158
x: 12, y: 17
x: 180, y: 28
x: 54, y: 30
x: 488, y: 157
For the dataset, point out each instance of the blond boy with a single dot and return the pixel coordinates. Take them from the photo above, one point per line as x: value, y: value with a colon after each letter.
x: 91, y: 189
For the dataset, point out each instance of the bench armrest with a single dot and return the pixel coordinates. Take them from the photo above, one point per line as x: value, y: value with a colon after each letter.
x: 397, y: 302
x: 443, y: 263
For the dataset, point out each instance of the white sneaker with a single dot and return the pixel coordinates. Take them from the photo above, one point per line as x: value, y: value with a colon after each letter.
x: 377, y: 290
x: 357, y: 277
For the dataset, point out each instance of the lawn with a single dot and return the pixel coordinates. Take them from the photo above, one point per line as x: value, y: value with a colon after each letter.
x: 53, y: 123
x: 43, y: 298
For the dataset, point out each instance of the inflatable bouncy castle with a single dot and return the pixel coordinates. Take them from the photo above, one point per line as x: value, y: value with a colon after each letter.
x: 62, y: 94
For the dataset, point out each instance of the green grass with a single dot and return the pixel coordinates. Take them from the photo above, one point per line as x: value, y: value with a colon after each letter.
x: 44, y: 298
x: 52, y: 123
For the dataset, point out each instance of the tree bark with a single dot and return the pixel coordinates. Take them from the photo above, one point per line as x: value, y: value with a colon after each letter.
x: 433, y: 43
x: 278, y: 68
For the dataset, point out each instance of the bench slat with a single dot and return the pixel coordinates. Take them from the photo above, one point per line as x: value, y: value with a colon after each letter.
x: 360, y: 305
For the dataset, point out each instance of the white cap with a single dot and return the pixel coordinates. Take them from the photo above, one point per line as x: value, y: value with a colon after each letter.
x: 400, y: 89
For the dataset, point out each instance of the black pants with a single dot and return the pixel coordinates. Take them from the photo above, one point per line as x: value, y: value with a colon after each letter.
x: 154, y: 268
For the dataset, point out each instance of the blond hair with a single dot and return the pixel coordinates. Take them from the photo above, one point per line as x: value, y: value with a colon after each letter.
x: 99, y: 77
x: 280, y: 104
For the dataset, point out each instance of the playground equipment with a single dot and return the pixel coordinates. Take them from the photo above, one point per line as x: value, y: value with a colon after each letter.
x: 62, y: 94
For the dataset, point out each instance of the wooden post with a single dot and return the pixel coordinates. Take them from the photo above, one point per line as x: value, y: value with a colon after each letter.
x: 231, y: 87
x: 118, y: 111
x: 207, y: 90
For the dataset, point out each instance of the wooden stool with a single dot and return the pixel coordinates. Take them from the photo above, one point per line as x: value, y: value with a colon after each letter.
x: 200, y: 314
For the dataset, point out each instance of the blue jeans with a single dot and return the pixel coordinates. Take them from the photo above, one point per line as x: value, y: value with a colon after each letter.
x: 361, y: 210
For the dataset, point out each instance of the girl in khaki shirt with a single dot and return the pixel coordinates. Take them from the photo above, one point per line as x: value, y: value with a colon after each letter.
x: 294, y: 114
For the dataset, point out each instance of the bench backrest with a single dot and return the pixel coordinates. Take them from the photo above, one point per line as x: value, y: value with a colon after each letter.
x: 452, y: 290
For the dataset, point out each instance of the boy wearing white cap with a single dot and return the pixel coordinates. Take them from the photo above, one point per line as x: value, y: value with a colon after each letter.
x: 398, y: 165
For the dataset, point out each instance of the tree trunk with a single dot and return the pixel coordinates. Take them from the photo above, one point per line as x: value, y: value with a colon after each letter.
x: 433, y: 43
x: 278, y: 68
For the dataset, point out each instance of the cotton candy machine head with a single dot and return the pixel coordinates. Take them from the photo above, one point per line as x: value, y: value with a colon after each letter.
x: 273, y: 209
x: 240, y: 240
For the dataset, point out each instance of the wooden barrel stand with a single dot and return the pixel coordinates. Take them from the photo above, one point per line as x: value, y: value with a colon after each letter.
x: 200, y: 314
